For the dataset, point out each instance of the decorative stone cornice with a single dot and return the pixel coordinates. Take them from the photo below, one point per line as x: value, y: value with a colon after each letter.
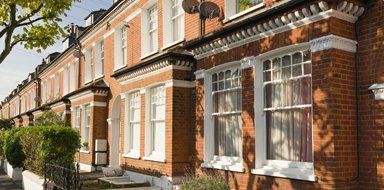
x: 312, y: 13
x: 247, y: 62
x: 378, y: 91
x: 179, y: 83
x: 142, y: 72
x: 333, y: 42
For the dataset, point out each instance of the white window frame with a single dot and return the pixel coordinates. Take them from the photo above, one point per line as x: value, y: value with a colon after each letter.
x: 100, y: 56
x: 169, y: 22
x: 231, y: 10
x: 277, y: 168
x: 72, y: 76
x: 121, y: 52
x: 149, y: 153
x: 48, y: 91
x: 56, y: 88
x: 85, y: 124
x: 88, y: 65
x: 77, y: 118
x: 148, y: 49
x: 65, y: 80
x: 210, y: 160
x: 129, y: 150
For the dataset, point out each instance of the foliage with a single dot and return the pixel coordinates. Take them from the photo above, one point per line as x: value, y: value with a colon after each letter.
x: 49, y: 118
x: 85, y: 144
x: 205, y: 182
x: 33, y: 23
x: 2, y: 133
x: 54, y: 144
x: 5, y: 124
x: 12, y: 148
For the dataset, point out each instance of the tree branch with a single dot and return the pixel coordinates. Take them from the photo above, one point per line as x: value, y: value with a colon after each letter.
x: 32, y: 21
x: 27, y: 16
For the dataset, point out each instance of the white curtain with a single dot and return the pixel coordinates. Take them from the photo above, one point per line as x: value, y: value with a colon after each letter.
x: 227, y: 113
x: 288, y: 108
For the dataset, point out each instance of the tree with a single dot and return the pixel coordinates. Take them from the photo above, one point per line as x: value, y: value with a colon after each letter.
x: 49, y: 118
x: 32, y: 23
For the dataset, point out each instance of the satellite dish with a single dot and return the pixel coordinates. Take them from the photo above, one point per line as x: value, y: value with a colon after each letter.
x: 209, y: 10
x: 190, y: 6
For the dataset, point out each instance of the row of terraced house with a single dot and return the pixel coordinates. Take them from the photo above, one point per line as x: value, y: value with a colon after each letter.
x: 272, y: 94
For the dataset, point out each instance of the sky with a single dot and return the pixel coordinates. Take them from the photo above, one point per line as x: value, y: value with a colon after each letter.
x: 21, y: 62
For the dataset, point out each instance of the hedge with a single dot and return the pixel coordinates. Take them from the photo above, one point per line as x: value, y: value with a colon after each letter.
x: 32, y: 147
x: 205, y: 182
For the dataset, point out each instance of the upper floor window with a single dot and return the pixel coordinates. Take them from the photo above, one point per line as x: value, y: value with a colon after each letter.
x: 56, y: 83
x: 88, y: 65
x: 234, y: 8
x: 120, y: 47
x: 65, y: 80
x: 149, y: 31
x: 72, y: 76
x: 99, y: 66
x: 173, y: 22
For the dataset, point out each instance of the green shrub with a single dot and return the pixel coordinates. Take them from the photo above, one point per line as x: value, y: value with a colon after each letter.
x: 205, y: 182
x: 5, y: 124
x: 2, y: 133
x: 54, y: 144
x: 49, y: 118
x: 12, y: 148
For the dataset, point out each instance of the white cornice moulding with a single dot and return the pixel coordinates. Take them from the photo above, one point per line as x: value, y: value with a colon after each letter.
x: 200, y: 74
x: 333, y: 42
x: 307, y: 15
x: 98, y: 104
x: 142, y: 91
x: 378, y: 91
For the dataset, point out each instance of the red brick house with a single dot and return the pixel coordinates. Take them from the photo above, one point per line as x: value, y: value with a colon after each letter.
x: 272, y: 94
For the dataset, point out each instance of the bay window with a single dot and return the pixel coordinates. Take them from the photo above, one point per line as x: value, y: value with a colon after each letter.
x: 76, y: 116
x: 87, y: 124
x: 156, y: 128
x: 284, y: 138
x: 132, y: 128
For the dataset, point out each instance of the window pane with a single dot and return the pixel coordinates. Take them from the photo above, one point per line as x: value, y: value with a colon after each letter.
x: 243, y: 5
x: 288, y: 108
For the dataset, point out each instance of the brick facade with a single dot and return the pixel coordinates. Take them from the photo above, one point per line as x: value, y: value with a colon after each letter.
x: 346, y: 118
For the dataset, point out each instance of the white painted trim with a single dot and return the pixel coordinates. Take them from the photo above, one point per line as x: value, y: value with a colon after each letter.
x: 84, y: 151
x: 133, y: 15
x: 31, y: 181
x: 200, y: 74
x: 98, y: 77
x: 110, y: 32
x: 247, y: 62
x: 81, y: 96
x: 291, y: 173
x: 333, y: 42
x: 235, y: 167
x: 179, y: 83
x: 130, y: 155
x: 154, y: 158
x: 143, y: 90
x: 98, y: 104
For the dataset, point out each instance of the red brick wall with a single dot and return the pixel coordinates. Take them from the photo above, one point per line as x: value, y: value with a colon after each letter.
x: 370, y: 71
x: 334, y: 111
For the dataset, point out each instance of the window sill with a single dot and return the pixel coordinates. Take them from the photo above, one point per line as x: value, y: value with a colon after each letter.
x: 130, y: 155
x: 118, y: 68
x: 148, y: 55
x: 85, y: 151
x: 229, y: 166
x: 172, y: 44
x: 154, y: 158
x: 98, y: 77
x: 242, y: 13
x: 291, y: 173
x: 87, y: 82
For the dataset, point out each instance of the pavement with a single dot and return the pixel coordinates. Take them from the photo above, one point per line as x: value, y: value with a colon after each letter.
x: 6, y: 182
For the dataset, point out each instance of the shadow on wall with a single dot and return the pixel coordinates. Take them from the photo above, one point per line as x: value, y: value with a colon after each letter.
x: 324, y: 128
